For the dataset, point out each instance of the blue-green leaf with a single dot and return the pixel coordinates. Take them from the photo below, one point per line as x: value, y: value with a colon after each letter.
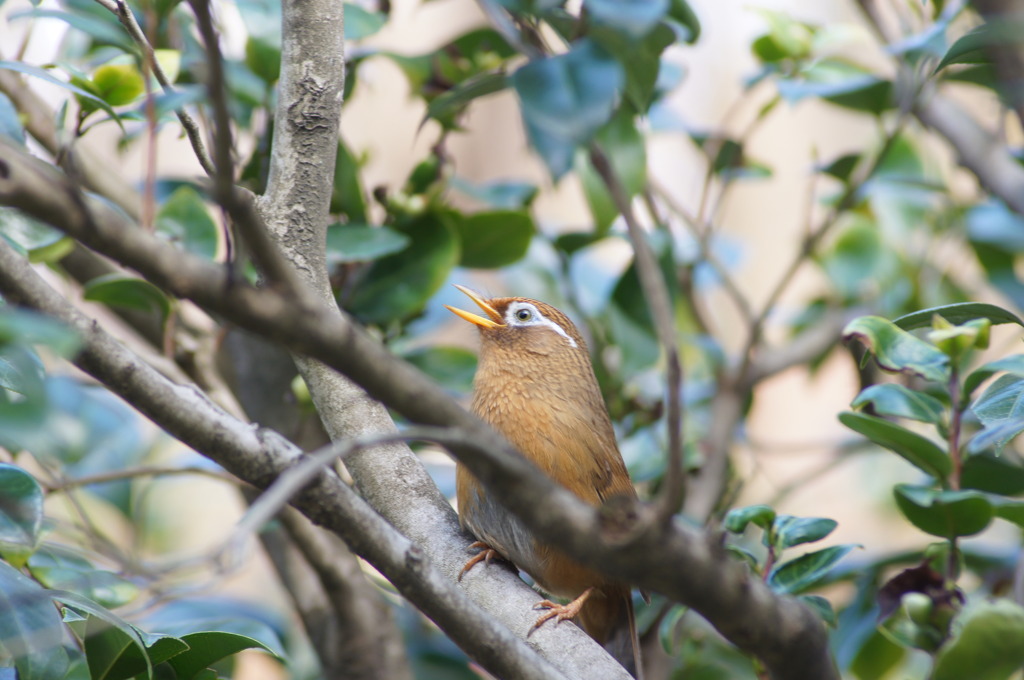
x: 804, y: 572
x: 361, y: 23
x: 915, y: 449
x: 898, y: 351
x: 362, y: 243
x: 21, y: 514
x: 1013, y: 364
x: 566, y: 99
x: 948, y: 514
x: 184, y: 221
x: 127, y: 291
x: 789, y: 530
x: 632, y: 18
x: 737, y: 519
x: 958, y: 313
x: 31, y: 630
x: 1001, y: 409
x: 986, y: 642
x: 892, y: 399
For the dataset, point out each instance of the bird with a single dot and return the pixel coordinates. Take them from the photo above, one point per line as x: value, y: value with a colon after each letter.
x: 536, y: 386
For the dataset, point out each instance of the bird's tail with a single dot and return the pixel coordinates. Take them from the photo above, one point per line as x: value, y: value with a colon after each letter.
x: 608, y: 617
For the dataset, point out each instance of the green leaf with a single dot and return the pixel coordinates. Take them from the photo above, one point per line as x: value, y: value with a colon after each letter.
x: 28, y: 327
x: 681, y: 12
x: 804, y: 572
x: 948, y: 514
x: 876, y: 657
x: 821, y: 607
x: 986, y: 642
x: 1008, y: 508
x: 623, y: 145
x: 59, y: 568
x: 1004, y: 30
x: 96, y: 26
x: 263, y: 57
x: 109, y: 647
x: 737, y: 519
x: 840, y: 83
x: 786, y: 37
x: 362, y: 243
x: 1000, y: 408
x: 898, y: 351
x: 114, y: 654
x: 565, y: 100
x: 10, y: 123
x: 27, y: 233
x: 453, y: 367
x: 498, y: 194
x: 842, y: 167
x: 21, y: 514
x: 1013, y: 364
x: 632, y: 18
x: 986, y: 472
x: 347, y: 196
x: 127, y: 291
x: 640, y: 60
x: 915, y: 449
x: 957, y: 313
x: 207, y: 647
x: 789, y: 530
x: 31, y: 630
x: 859, y: 261
x: 361, y: 23
x: 892, y: 399
x: 399, y: 285
x: 184, y: 221
x: 494, y: 239
x: 446, y: 107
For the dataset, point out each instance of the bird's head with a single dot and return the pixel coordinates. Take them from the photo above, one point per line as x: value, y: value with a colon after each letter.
x: 521, y: 326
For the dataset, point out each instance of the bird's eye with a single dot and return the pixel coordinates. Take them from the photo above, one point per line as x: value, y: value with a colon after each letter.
x: 524, y: 314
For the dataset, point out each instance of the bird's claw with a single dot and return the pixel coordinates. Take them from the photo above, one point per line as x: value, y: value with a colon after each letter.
x: 486, y: 554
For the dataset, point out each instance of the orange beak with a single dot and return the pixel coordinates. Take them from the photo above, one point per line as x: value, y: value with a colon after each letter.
x: 475, y: 319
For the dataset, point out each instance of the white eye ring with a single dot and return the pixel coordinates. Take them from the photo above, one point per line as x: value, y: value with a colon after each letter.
x: 524, y: 314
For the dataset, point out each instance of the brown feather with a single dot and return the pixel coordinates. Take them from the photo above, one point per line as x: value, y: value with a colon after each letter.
x: 539, y: 390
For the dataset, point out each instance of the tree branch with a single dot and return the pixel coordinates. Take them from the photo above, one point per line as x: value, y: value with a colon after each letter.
x: 96, y: 174
x: 672, y: 559
x: 389, y: 475
x: 660, y: 305
x: 238, y: 202
x: 366, y: 647
x: 260, y: 456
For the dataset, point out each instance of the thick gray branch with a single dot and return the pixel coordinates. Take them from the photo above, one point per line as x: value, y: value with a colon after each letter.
x: 260, y: 456
x: 295, y: 209
x: 672, y: 559
x: 978, y: 150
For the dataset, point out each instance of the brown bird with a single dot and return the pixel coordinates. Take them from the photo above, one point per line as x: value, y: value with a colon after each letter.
x: 535, y: 385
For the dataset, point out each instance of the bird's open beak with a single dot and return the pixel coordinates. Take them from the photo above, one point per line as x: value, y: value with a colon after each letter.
x: 493, y: 322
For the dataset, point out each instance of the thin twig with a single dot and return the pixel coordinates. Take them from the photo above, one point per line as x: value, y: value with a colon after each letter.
x: 811, y: 242
x: 239, y: 203
x: 292, y: 481
x: 706, y: 253
x: 127, y: 18
x: 660, y: 305
x: 132, y: 473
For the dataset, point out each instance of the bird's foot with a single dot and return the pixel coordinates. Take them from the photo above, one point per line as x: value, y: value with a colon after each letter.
x: 561, y: 612
x: 486, y: 554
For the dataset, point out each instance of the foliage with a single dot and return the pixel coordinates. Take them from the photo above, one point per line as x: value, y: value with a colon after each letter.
x: 587, y: 81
